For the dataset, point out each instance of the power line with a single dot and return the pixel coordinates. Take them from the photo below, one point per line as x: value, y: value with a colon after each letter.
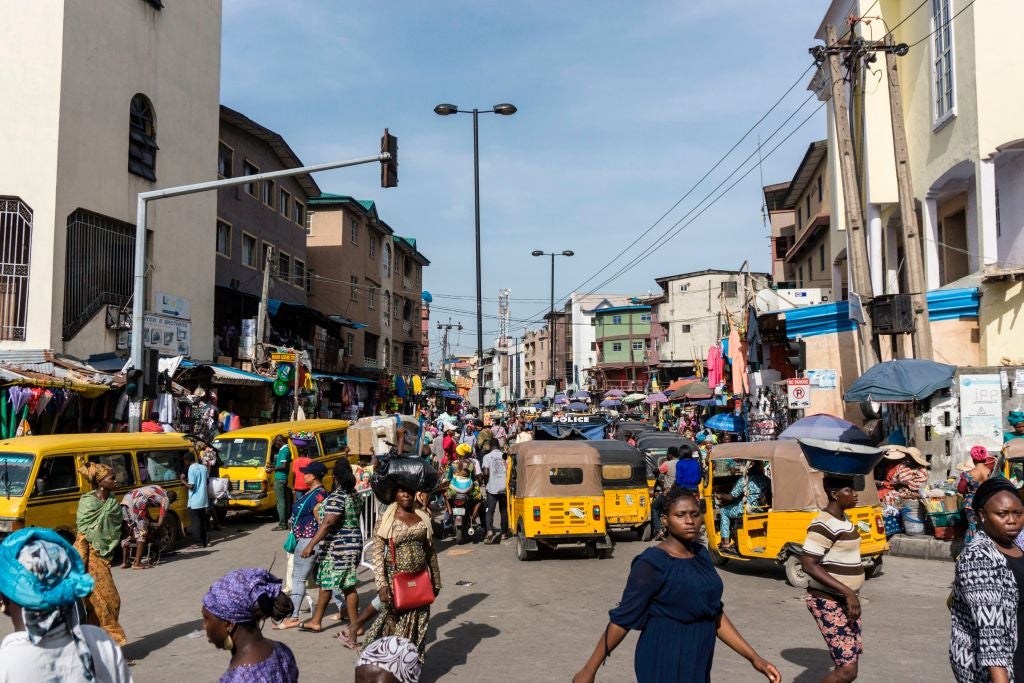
x: 943, y: 24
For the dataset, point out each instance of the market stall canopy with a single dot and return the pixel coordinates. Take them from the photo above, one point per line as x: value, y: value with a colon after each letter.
x: 225, y: 374
x: 827, y: 427
x: 726, y: 422
x: 656, y: 397
x: 438, y: 384
x: 692, y: 390
x: 452, y: 395
x: 902, y: 380
x: 611, y: 403
x: 581, y: 395
x: 578, y: 406
x: 634, y: 398
x: 614, y: 393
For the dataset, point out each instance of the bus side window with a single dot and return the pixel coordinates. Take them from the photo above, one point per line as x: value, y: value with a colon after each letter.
x: 57, y: 474
x: 162, y: 465
x: 121, y: 464
x: 334, y: 441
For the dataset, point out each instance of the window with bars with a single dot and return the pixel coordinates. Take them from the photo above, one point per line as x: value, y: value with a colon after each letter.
x: 142, y: 138
x: 15, y: 253
x: 99, y: 262
x: 387, y: 308
x: 248, y: 168
x: 943, y: 85
x: 249, y: 250
x: 354, y: 296
x: 730, y: 288
x: 371, y: 298
x: 267, y: 193
x: 353, y: 234
x: 284, y: 201
x: 373, y: 247
x: 638, y: 346
x: 284, y: 266
x: 299, y: 213
x: 385, y: 261
x: 299, y: 273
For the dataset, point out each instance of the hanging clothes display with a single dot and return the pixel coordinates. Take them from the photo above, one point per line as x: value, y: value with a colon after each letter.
x: 753, y: 337
x: 715, y: 366
x: 738, y: 357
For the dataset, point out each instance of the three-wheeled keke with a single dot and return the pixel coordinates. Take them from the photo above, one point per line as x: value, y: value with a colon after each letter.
x: 555, y: 497
x: 627, y: 495
x: 623, y: 428
x: 774, y: 528
x: 1013, y: 461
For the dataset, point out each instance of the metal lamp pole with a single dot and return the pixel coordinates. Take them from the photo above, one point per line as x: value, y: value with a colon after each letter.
x: 551, y: 312
x: 505, y: 110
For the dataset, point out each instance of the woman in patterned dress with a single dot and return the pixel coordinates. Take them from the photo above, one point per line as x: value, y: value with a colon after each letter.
x: 409, y: 528
x: 342, y: 547
x: 969, y: 482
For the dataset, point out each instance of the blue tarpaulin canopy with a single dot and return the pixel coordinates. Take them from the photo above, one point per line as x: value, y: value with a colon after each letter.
x: 726, y: 422
x: 827, y: 428
x: 901, y: 380
x: 589, y: 428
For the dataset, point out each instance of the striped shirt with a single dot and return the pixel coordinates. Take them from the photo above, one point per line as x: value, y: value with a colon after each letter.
x: 837, y: 543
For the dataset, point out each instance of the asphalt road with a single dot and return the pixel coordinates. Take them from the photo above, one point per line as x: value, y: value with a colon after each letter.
x: 500, y: 619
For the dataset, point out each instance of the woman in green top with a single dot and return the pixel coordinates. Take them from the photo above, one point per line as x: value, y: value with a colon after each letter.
x: 99, y: 533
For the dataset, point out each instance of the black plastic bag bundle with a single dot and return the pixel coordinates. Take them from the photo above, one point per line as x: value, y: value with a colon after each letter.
x: 409, y: 472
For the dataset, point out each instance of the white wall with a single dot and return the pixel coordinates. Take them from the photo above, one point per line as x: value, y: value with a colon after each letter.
x: 75, y: 67
x: 584, y: 357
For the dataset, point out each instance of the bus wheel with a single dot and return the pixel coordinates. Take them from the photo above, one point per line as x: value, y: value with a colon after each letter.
x: 172, y: 536
x: 645, y: 532
x: 795, y: 575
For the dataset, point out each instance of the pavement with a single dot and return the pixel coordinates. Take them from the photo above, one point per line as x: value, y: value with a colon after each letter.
x: 537, y: 621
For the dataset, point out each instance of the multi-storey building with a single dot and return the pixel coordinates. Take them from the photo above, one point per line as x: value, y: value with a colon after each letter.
x: 536, y: 360
x: 112, y: 99
x: 623, y: 336
x: 579, y: 335
x: 354, y: 255
x: 813, y: 257
x: 782, y: 224
x: 693, y: 313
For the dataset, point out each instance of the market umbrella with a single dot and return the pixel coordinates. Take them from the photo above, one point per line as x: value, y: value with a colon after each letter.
x: 656, y: 397
x: 826, y: 427
x: 611, y: 403
x: 907, y: 379
x: 577, y: 406
x: 679, y: 384
x: 437, y: 384
x: 614, y: 393
x: 726, y: 422
x: 561, y: 399
x: 634, y: 398
x: 581, y: 395
x: 693, y: 390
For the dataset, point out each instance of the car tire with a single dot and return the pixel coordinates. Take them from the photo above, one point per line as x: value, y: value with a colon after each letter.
x: 169, y: 542
x: 646, y: 532
x: 603, y: 553
x: 795, y: 575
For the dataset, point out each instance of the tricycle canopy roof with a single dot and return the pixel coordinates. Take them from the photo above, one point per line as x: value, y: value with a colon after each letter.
x: 535, y: 460
x: 795, y: 486
x: 1014, y: 449
x: 615, y: 452
x: 663, y: 440
x: 624, y: 427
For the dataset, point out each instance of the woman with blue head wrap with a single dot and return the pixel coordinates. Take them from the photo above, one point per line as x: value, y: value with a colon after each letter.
x: 1016, y: 420
x: 41, y: 581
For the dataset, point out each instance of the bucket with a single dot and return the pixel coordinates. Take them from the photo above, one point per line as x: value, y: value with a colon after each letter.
x: 914, y: 515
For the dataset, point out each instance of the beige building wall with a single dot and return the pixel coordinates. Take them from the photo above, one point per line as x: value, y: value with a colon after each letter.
x: 74, y: 68
x: 1002, y: 326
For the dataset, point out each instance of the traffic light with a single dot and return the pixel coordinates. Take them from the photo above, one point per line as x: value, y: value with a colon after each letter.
x: 150, y: 373
x: 796, y: 354
x: 389, y: 168
x: 133, y: 382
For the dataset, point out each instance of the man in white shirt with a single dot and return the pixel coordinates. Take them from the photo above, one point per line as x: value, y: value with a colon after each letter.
x: 495, y: 471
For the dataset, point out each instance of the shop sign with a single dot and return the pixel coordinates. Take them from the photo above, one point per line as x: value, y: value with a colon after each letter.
x: 798, y: 391
x: 821, y: 379
x: 169, y: 336
x: 981, y: 410
x: 173, y: 306
x: 282, y: 357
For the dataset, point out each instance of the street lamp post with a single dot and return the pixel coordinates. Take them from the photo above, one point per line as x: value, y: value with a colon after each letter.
x: 505, y: 110
x: 551, y: 314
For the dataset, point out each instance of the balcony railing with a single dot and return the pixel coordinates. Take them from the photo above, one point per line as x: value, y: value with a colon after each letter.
x: 371, y: 363
x: 407, y: 327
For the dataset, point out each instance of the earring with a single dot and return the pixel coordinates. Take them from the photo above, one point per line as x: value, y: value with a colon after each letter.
x: 229, y: 644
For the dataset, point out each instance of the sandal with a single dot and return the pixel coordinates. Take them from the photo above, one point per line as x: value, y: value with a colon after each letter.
x: 309, y: 629
x: 284, y: 625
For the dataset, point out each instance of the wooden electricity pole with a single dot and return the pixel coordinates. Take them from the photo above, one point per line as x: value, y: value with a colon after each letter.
x: 858, y: 252
x: 261, y: 319
x: 922, y: 336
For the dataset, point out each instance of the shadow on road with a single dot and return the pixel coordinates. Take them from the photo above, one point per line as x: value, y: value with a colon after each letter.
x: 456, y: 607
x: 143, y: 647
x: 454, y: 650
x: 815, y: 661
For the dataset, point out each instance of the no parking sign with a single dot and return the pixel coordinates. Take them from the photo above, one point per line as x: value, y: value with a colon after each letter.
x: 798, y: 389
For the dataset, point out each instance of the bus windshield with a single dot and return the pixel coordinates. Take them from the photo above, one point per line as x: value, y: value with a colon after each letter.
x: 243, y: 452
x: 15, y: 470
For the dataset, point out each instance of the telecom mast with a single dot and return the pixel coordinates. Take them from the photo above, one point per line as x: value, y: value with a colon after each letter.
x: 503, y: 318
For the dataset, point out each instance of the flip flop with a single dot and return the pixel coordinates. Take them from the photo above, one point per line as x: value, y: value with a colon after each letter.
x: 283, y: 627
x: 307, y: 629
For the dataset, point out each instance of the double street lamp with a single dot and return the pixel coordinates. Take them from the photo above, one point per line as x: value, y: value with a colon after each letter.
x: 551, y: 314
x: 505, y: 110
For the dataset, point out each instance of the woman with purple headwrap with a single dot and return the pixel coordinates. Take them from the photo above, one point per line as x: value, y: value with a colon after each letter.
x: 234, y: 610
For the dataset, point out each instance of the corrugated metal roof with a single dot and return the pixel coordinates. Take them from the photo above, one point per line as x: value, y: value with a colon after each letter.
x: 943, y: 304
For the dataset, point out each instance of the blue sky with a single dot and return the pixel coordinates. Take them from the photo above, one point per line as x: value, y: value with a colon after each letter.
x: 623, y: 106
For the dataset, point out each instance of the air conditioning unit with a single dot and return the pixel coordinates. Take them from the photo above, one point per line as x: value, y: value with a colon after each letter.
x: 771, y: 300
x: 892, y: 314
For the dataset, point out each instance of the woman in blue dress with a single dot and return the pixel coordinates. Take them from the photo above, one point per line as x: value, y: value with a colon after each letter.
x: 674, y: 598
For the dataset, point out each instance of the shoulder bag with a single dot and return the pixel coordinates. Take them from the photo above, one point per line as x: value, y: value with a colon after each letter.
x: 292, y: 541
x: 410, y: 590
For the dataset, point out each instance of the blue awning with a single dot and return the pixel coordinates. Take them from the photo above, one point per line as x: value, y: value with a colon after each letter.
x: 342, y: 378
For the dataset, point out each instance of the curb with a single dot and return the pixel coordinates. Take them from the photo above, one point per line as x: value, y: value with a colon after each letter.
x: 924, y: 547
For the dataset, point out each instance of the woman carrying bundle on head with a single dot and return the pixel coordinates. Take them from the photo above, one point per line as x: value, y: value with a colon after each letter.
x: 99, y: 524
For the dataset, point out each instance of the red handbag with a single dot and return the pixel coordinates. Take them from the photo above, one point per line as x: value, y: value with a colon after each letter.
x: 410, y: 590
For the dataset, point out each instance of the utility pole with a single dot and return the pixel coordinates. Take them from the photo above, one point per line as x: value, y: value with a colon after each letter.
x: 858, y: 252
x: 922, y: 335
x: 261, y: 319
x: 444, y: 345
